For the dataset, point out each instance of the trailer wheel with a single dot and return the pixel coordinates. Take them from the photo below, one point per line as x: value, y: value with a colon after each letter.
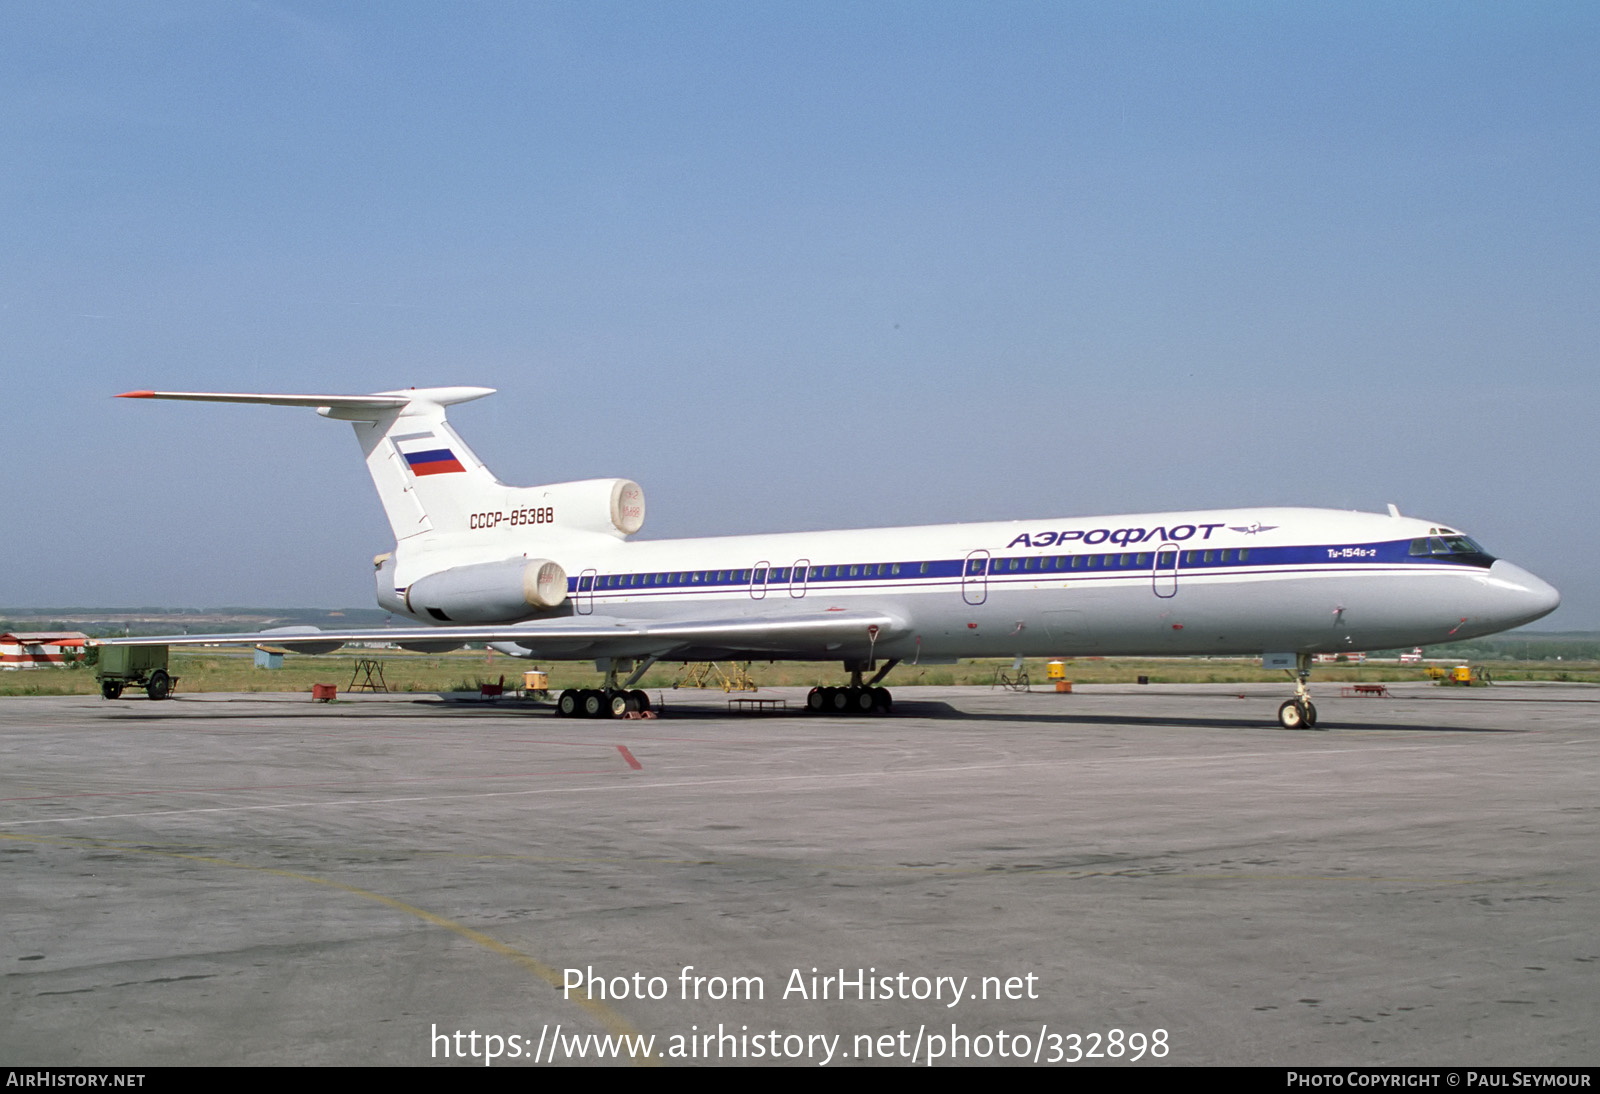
x: 159, y: 686
x: 110, y: 689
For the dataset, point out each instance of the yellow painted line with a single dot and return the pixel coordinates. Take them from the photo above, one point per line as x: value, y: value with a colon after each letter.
x: 610, y: 1019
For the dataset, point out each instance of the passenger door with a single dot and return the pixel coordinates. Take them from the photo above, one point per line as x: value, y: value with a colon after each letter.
x: 975, y: 578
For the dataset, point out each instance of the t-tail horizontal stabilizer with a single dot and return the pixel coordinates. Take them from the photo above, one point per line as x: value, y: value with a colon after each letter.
x: 425, y: 474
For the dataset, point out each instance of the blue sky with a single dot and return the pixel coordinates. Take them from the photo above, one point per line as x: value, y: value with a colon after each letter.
x: 793, y: 266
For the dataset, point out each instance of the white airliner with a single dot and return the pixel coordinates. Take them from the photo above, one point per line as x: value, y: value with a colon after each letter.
x: 548, y: 572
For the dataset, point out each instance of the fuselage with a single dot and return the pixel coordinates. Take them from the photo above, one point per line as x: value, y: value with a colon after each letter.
x: 1240, y: 581
x: 550, y: 571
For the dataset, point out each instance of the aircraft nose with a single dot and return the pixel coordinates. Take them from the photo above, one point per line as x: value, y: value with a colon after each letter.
x: 1519, y: 597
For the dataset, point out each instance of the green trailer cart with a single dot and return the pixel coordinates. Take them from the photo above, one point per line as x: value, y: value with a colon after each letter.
x: 135, y: 666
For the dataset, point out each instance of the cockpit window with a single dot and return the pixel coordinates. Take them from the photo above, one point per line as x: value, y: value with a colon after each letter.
x: 1457, y: 548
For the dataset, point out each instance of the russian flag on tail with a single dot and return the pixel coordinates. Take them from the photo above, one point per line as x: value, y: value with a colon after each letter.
x: 433, y: 461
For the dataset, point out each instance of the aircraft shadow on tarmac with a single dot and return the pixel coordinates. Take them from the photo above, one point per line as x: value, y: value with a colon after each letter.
x: 251, y: 710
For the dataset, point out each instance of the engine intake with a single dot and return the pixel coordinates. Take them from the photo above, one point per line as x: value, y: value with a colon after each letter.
x: 613, y: 506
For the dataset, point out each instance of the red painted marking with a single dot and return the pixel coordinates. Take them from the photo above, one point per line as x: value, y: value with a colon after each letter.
x: 440, y: 467
x: 137, y: 395
x: 626, y: 755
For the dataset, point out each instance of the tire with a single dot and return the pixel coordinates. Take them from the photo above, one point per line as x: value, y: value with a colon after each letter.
x: 594, y: 705
x: 883, y: 700
x: 1311, y: 715
x: 814, y: 701
x: 1291, y: 716
x: 839, y: 702
x: 640, y: 699
x: 110, y: 689
x: 567, y: 705
x: 862, y: 700
x: 618, y: 704
x: 159, y: 685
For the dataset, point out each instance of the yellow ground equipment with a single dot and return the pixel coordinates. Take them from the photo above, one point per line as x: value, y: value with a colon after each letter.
x: 706, y: 674
x: 1461, y: 676
x: 536, y: 684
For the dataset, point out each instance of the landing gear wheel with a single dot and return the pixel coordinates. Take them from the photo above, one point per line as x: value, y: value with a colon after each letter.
x: 567, y: 705
x: 862, y: 700
x: 1297, y: 714
x: 618, y: 704
x: 159, y: 685
x: 1311, y: 715
x: 594, y: 704
x: 110, y: 689
x: 641, y: 701
x: 814, y: 701
x: 882, y: 699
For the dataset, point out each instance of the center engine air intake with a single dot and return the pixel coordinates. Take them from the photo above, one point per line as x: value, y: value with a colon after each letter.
x: 613, y: 506
x: 489, y: 592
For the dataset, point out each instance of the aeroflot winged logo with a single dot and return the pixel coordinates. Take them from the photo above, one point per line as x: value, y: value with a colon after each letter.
x: 1251, y: 529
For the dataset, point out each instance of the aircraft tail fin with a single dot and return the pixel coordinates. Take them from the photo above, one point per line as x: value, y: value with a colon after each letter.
x: 423, y: 471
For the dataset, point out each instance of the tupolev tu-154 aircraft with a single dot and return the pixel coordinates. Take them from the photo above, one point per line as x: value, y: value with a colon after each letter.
x: 549, y: 572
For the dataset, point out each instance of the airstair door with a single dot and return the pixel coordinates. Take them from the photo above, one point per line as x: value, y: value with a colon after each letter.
x: 975, y: 578
x: 1164, y: 578
x: 797, y: 577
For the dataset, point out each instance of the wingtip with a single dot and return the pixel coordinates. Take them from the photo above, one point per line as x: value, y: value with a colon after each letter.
x: 137, y: 395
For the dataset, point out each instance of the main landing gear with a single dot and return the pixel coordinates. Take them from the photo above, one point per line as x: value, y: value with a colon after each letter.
x: 858, y: 698
x: 614, y: 700
x: 601, y: 703
x: 1299, y: 712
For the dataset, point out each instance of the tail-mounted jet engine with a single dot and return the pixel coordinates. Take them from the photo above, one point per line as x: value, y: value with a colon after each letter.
x: 489, y: 592
x: 612, y: 506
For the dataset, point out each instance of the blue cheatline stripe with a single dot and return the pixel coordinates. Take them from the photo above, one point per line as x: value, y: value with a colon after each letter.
x: 1258, y: 560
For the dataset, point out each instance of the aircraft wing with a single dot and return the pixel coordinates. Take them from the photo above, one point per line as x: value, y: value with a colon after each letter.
x: 821, y: 636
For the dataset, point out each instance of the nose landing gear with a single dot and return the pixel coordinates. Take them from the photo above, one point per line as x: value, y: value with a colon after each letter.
x: 1299, y: 712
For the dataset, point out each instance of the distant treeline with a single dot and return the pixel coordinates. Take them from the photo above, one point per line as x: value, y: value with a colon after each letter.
x: 108, y: 622
x: 1516, y: 646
